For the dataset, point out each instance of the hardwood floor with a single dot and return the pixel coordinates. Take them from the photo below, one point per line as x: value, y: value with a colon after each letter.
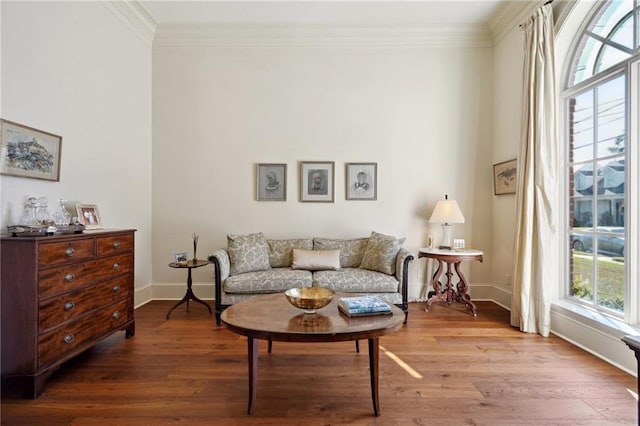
x: 443, y: 368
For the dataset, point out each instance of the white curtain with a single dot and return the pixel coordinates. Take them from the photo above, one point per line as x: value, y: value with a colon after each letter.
x: 536, y: 264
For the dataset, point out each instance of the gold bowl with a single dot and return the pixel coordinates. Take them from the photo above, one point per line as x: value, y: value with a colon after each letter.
x: 309, y: 299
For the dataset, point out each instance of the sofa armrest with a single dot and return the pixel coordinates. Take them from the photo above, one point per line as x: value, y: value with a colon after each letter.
x: 402, y: 264
x: 402, y: 274
x: 221, y: 268
x: 221, y: 264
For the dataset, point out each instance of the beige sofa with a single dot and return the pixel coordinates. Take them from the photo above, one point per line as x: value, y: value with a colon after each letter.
x: 252, y: 265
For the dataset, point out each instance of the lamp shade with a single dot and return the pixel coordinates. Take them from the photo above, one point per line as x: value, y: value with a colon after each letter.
x: 446, y: 211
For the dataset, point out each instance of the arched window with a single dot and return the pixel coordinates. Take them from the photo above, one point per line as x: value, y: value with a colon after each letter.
x: 598, y: 103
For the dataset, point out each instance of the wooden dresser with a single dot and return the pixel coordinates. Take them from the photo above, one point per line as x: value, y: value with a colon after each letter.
x: 60, y: 295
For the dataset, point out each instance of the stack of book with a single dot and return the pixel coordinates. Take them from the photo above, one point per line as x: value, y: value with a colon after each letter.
x: 357, y: 306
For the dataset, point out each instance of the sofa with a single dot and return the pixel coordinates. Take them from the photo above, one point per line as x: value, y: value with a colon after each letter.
x: 251, y: 265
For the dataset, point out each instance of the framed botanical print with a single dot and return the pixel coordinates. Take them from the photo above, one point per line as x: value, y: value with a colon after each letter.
x: 361, y: 181
x: 29, y: 152
x: 504, y: 177
x: 317, y: 181
x: 271, y: 182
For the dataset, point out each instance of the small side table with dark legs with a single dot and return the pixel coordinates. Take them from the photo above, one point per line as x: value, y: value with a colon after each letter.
x: 447, y: 292
x: 191, y: 264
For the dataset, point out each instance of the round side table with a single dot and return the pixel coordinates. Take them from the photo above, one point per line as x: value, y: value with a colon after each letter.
x: 191, y: 264
x: 447, y: 292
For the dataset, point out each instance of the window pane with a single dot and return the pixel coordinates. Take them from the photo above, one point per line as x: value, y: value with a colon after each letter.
x: 581, y: 266
x: 609, y: 56
x: 611, y: 16
x: 581, y: 127
x: 623, y: 32
x: 589, y: 48
x: 610, y: 281
x: 611, y: 117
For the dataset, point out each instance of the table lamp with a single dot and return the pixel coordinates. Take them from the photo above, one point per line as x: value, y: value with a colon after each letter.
x: 446, y: 212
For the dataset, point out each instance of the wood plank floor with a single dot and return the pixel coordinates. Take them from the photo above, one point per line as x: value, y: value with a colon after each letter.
x: 443, y: 368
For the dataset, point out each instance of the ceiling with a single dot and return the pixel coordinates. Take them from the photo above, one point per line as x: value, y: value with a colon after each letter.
x: 325, y: 12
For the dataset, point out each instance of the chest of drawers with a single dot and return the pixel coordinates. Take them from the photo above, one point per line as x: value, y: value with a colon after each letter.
x: 60, y: 295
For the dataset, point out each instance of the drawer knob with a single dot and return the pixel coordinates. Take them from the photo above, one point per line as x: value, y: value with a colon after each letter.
x: 116, y: 315
x: 69, y: 338
x: 116, y: 266
x: 69, y: 251
x: 69, y: 277
x: 116, y: 244
x: 116, y: 288
x: 69, y: 306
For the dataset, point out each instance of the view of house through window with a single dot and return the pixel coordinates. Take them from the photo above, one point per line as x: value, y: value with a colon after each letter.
x: 597, y: 103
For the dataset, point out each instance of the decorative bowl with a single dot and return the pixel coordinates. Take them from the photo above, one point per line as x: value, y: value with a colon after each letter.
x: 309, y: 299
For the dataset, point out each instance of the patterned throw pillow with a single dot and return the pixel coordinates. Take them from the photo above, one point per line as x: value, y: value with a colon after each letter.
x: 280, y: 251
x: 351, y: 251
x: 247, y: 253
x: 380, y: 254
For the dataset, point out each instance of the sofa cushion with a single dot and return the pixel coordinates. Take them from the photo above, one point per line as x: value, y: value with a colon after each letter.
x: 247, y: 253
x: 316, y: 260
x: 380, y: 254
x: 354, y: 280
x: 275, y: 280
x: 280, y: 251
x: 351, y: 251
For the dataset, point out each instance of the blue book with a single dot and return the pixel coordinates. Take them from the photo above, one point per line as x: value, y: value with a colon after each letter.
x: 363, y: 305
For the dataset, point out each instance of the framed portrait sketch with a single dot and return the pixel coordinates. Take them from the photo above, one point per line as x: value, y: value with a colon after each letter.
x: 317, y: 181
x: 29, y: 152
x: 504, y: 177
x: 271, y: 182
x: 89, y: 216
x: 362, y: 181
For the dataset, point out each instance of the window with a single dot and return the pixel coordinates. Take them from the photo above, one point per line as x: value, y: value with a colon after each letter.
x: 598, y: 102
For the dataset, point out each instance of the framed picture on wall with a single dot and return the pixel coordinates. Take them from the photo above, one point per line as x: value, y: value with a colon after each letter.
x: 361, y: 181
x: 317, y: 181
x: 28, y: 152
x: 89, y: 216
x: 504, y: 177
x: 271, y: 182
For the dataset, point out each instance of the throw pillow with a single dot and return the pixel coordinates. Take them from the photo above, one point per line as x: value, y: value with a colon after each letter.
x: 247, y: 253
x: 316, y: 260
x: 351, y: 250
x: 380, y: 254
x: 280, y: 251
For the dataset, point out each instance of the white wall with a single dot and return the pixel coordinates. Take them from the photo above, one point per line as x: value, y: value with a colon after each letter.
x: 507, y: 77
x: 74, y: 69
x: 423, y: 114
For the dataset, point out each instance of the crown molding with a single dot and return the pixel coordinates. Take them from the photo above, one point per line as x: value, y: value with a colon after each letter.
x: 509, y: 15
x: 135, y: 16
x: 207, y: 35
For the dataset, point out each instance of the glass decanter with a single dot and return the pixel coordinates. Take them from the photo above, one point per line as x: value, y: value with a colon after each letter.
x: 42, y: 214
x: 62, y: 217
x: 28, y: 217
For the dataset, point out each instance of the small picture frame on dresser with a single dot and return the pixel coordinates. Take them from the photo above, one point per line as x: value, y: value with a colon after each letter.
x: 89, y: 216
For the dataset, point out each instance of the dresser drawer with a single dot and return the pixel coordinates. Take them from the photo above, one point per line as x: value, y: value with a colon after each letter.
x: 70, y: 277
x: 115, y: 244
x: 115, y: 265
x: 56, y: 310
x: 50, y: 254
x: 72, y: 336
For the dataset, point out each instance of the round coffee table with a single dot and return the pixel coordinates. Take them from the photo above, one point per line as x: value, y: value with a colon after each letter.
x: 272, y: 317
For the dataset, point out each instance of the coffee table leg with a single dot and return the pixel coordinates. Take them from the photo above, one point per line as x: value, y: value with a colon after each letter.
x: 373, y: 368
x: 252, y: 346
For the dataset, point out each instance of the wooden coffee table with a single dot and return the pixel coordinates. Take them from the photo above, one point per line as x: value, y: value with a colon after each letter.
x: 272, y: 317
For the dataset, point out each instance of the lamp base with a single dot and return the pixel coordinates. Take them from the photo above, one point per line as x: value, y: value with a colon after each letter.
x: 446, y: 237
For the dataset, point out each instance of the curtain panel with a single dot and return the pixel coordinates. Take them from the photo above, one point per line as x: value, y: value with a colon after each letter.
x: 537, y: 262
